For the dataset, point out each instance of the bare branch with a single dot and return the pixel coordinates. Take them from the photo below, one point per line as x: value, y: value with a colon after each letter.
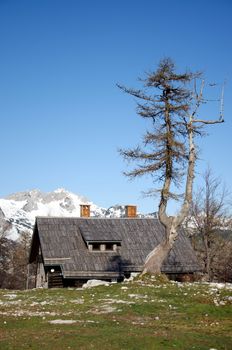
x: 222, y: 103
x: 207, y: 121
x: 198, y: 97
x: 137, y: 93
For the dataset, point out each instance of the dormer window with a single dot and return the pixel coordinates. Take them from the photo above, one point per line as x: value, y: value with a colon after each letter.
x: 101, y: 238
x: 103, y: 246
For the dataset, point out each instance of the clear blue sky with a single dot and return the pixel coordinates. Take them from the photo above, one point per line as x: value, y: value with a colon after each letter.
x: 62, y: 116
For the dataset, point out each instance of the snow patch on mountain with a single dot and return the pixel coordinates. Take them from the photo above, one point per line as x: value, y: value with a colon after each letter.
x: 115, y: 211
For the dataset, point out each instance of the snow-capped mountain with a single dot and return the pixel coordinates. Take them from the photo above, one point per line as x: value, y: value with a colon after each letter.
x: 18, y: 210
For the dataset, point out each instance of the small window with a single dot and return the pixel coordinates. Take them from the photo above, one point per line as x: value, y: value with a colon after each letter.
x: 109, y: 246
x: 96, y: 247
x: 103, y: 247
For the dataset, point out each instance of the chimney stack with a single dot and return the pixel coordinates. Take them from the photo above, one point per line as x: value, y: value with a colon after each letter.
x: 85, y: 210
x: 131, y: 211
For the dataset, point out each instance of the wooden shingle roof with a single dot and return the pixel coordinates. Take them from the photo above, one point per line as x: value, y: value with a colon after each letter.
x: 63, y: 242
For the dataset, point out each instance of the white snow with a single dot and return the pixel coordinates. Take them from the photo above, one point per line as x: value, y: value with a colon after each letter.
x: 220, y: 285
x: 10, y: 296
x: 62, y: 321
x: 95, y: 283
x: 10, y: 207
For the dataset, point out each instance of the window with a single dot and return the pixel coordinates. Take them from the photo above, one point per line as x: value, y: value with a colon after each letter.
x: 103, y: 247
x: 109, y: 246
x: 96, y: 246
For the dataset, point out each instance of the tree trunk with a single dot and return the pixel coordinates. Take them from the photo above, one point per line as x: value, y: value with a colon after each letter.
x: 207, y: 257
x: 155, y: 259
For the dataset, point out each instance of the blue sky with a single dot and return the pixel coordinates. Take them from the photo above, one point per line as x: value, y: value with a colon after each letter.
x: 62, y: 116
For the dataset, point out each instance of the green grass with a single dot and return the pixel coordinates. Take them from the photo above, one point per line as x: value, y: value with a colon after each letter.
x: 147, y: 314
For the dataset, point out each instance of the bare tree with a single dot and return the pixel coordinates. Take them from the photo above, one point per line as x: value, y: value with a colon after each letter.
x: 169, y: 149
x: 20, y: 260
x: 6, y: 246
x: 210, y: 219
x: 13, y: 260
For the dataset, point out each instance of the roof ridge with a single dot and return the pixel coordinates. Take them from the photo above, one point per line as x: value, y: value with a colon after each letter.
x: 93, y: 218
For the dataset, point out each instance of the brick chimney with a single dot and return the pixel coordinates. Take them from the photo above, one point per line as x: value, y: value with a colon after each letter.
x: 85, y: 210
x: 131, y: 211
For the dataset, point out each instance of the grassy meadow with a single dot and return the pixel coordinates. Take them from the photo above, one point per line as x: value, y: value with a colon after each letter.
x: 143, y: 314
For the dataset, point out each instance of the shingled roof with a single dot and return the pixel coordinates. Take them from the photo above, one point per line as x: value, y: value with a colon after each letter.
x: 64, y: 241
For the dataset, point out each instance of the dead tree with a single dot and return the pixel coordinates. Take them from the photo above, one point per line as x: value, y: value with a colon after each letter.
x: 209, y: 219
x: 169, y: 149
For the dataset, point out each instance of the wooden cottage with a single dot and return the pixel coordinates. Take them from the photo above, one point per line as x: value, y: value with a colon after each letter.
x: 69, y: 251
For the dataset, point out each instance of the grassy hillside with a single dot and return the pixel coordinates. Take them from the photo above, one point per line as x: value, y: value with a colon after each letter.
x: 148, y: 314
